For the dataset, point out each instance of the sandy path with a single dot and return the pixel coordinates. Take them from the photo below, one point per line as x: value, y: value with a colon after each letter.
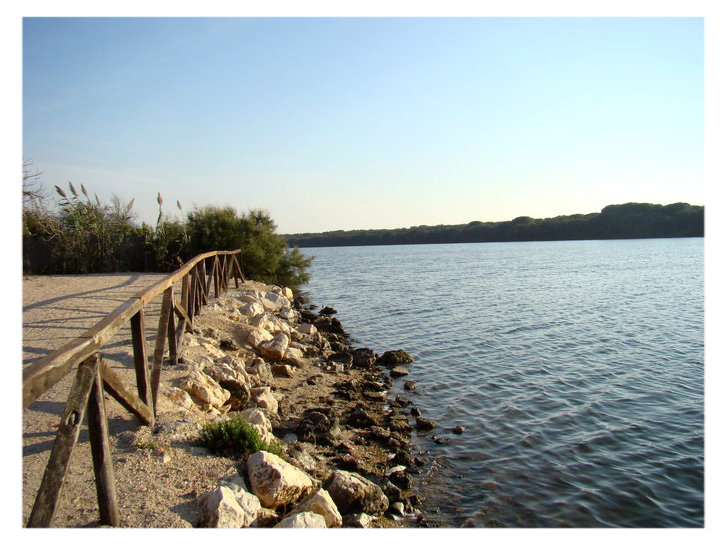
x: 56, y: 309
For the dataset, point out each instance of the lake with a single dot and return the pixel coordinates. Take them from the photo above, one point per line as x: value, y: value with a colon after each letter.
x: 576, y: 368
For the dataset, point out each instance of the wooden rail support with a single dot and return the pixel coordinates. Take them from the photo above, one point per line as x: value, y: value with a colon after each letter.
x: 172, y: 338
x: 139, y: 344
x: 98, y: 430
x: 159, y: 345
x: 205, y: 291
x: 46, y: 501
x: 239, y: 272
x: 133, y: 403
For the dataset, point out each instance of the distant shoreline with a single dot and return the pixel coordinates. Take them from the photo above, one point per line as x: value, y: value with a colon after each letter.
x: 476, y: 242
x: 627, y: 221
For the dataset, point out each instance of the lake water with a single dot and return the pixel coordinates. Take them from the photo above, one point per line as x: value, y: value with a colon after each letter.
x: 576, y: 368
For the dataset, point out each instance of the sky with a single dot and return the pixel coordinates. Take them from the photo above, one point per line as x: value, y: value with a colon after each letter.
x: 355, y: 122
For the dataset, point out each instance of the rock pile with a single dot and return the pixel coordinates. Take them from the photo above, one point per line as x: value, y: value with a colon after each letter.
x: 296, y: 378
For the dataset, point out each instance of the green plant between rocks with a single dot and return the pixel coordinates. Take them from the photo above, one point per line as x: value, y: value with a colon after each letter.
x: 234, y: 436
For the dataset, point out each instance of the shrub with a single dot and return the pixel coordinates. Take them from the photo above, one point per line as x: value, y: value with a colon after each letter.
x: 234, y: 436
x: 264, y: 254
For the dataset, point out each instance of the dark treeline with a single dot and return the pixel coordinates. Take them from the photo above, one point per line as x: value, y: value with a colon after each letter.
x: 627, y: 221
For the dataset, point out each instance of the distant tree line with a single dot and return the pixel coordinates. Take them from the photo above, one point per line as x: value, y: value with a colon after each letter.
x: 627, y: 221
x: 81, y: 234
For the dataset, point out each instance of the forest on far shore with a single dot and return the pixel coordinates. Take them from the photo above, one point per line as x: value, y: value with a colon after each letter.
x: 626, y: 221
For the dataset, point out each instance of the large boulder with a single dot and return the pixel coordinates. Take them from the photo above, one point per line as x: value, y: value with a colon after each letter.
x: 353, y: 493
x: 202, y: 387
x: 303, y: 520
x: 276, y: 482
x: 320, y: 502
x: 222, y: 509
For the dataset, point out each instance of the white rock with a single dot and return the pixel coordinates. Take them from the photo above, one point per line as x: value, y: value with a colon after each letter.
x: 248, y: 297
x: 295, y: 356
x: 302, y: 520
x: 235, y: 363
x: 264, y: 399
x: 320, y: 502
x: 274, y: 481
x: 202, y: 387
x: 179, y: 397
x: 254, y: 416
x: 260, y: 423
x: 289, y: 314
x: 260, y: 369
x: 278, y: 300
x: 275, y: 349
x: 221, y: 509
x: 252, y: 309
x: 258, y: 336
x: 361, y: 520
x: 306, y: 329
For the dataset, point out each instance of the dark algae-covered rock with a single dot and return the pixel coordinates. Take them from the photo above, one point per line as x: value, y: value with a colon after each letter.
x: 394, y: 358
x: 424, y: 424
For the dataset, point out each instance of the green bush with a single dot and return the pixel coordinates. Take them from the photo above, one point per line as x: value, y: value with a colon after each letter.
x: 264, y: 254
x: 234, y: 436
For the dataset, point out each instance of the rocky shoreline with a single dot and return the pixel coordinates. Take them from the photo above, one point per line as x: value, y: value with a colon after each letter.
x: 344, y: 457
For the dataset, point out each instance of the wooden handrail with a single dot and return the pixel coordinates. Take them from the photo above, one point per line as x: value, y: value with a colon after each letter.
x: 42, y: 374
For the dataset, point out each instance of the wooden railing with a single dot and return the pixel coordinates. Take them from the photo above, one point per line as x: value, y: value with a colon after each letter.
x: 94, y: 376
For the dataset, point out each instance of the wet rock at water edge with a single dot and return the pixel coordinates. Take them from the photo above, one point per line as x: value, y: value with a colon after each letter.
x: 363, y: 358
x: 415, y: 411
x: 342, y: 357
x: 459, y: 429
x: 353, y: 493
x: 399, y: 371
x: 424, y: 424
x: 403, y: 458
x: 394, y: 358
x: 328, y: 311
x: 410, y: 385
x: 328, y: 324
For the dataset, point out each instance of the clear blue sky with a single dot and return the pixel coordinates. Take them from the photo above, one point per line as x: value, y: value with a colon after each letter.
x: 368, y: 122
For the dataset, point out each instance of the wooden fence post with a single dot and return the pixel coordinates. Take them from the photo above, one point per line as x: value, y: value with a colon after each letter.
x: 139, y: 343
x: 159, y: 344
x: 101, y: 452
x: 172, y: 337
x: 46, y: 501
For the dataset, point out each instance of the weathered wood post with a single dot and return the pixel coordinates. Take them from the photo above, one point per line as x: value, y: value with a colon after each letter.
x: 101, y: 452
x: 46, y: 501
